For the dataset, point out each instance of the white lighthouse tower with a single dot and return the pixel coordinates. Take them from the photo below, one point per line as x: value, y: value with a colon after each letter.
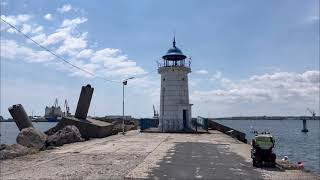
x: 175, y: 110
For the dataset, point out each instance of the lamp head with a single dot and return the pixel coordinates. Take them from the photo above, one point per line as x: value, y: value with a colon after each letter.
x: 126, y: 80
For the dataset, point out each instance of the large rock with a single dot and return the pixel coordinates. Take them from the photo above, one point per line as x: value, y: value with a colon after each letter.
x: 66, y: 135
x: 32, y: 138
x: 116, y: 129
x: 130, y: 127
x: 14, y: 150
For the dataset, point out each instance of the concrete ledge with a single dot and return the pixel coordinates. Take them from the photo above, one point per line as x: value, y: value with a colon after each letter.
x: 89, y: 128
x: 157, y: 130
x: 227, y: 130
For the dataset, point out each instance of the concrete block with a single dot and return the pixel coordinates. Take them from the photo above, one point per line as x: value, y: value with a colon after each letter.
x: 20, y: 116
x: 89, y: 128
x: 84, y: 102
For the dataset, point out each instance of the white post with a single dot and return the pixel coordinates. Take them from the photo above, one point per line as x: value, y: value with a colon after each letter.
x: 123, y: 83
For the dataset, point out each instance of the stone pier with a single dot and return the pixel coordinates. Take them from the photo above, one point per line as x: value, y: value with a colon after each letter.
x: 147, y: 156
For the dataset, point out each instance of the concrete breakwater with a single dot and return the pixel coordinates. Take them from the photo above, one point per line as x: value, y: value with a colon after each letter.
x: 136, y: 155
x: 69, y: 130
x: 147, y: 155
x: 212, y: 155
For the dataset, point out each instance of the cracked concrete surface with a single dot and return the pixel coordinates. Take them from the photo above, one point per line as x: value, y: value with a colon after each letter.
x: 146, y: 155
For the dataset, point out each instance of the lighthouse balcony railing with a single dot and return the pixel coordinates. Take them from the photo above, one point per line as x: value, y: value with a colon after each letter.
x: 184, y: 63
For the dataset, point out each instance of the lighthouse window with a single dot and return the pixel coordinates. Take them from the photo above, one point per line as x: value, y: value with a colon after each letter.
x: 164, y: 79
x: 182, y: 79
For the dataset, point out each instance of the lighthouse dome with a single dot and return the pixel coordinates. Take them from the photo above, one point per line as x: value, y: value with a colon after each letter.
x: 174, y: 53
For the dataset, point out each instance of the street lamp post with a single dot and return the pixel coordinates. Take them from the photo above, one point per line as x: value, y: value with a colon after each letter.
x: 124, y: 82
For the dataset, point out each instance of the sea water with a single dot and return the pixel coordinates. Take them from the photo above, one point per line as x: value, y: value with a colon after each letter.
x: 290, y: 141
x: 9, y: 130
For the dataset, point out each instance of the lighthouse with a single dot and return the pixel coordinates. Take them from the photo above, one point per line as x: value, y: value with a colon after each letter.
x: 175, y: 110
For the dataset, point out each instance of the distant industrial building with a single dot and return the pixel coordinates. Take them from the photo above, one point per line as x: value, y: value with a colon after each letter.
x: 54, y: 113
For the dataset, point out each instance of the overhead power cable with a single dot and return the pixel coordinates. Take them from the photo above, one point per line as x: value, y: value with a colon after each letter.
x: 56, y: 55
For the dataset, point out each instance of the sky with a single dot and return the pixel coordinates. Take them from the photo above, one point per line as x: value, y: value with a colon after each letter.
x: 249, y: 58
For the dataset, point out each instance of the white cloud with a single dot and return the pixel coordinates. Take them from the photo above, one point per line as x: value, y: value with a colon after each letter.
x: 22, y: 22
x: 276, y: 87
x: 279, y: 93
x: 48, y: 17
x: 26, y: 28
x: 85, y: 54
x: 37, y: 30
x: 11, y: 30
x: 216, y: 76
x: 11, y: 50
x: 73, y: 22
x: 201, y: 71
x: 71, y: 45
x: 107, y: 62
x: 116, y: 63
x: 54, y: 38
x: 112, y: 58
x: 128, y: 71
x: 16, y: 20
x: 65, y: 8
x: 38, y: 38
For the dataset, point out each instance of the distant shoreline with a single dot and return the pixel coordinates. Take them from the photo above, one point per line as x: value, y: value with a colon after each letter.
x: 32, y: 121
x: 257, y: 118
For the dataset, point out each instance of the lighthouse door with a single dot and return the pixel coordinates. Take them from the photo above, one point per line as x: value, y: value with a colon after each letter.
x: 184, y: 118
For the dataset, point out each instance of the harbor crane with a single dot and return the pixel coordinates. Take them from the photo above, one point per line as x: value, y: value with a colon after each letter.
x: 56, y: 104
x: 155, y: 113
x: 312, y: 112
x: 304, y: 121
x: 66, y: 106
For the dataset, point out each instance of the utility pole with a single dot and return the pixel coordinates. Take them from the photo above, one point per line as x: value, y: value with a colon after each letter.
x: 124, y: 82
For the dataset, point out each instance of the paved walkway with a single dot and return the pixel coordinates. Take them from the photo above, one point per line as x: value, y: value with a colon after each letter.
x: 146, y: 155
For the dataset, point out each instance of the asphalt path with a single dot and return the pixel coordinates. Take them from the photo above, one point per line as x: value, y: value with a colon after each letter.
x: 197, y: 160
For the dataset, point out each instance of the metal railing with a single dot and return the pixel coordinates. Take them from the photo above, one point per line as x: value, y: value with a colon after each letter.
x: 200, y: 124
x: 181, y: 63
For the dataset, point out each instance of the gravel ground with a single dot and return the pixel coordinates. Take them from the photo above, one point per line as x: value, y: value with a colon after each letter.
x: 146, y: 155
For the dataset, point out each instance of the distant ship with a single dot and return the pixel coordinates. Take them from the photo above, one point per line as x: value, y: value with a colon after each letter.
x: 54, y: 113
